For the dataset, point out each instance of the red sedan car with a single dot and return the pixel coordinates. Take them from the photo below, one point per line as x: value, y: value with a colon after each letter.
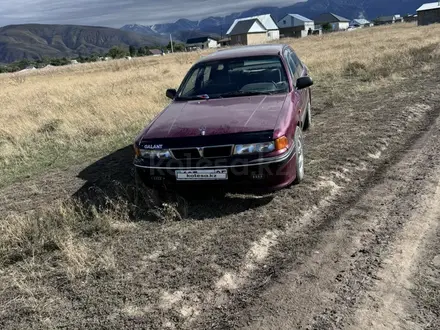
x: 237, y: 119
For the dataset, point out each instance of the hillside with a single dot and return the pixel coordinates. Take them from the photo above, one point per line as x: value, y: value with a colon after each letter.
x: 179, y: 32
x: 311, y: 8
x: 34, y: 41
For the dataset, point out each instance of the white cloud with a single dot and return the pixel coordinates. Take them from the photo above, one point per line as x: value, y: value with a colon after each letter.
x: 116, y: 13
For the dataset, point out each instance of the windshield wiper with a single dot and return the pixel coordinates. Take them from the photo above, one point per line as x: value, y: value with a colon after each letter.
x: 250, y: 93
x: 244, y: 93
x: 195, y: 97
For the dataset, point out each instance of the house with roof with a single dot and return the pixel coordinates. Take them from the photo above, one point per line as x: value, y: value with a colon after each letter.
x: 248, y: 32
x: 224, y: 42
x: 296, y: 26
x: 360, y: 23
x: 410, y: 18
x: 202, y: 43
x: 383, y: 20
x: 336, y: 22
x: 428, y: 13
x: 252, y: 30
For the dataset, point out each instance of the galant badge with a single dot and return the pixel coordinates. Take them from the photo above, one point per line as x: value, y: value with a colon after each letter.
x: 153, y: 146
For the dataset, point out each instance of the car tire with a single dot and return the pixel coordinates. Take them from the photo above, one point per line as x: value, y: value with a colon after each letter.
x: 298, y: 140
x: 308, y: 121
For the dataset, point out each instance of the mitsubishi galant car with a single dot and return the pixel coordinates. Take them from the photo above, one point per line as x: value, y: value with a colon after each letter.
x: 237, y: 119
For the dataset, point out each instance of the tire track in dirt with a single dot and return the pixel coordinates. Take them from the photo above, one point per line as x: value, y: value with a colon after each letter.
x: 425, y: 281
x: 312, y: 231
x: 390, y: 304
x: 409, y: 183
x: 348, y: 254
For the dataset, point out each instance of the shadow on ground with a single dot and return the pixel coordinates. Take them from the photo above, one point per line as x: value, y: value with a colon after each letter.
x: 112, y: 178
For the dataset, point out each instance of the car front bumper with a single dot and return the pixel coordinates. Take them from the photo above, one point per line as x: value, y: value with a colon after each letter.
x: 267, y: 173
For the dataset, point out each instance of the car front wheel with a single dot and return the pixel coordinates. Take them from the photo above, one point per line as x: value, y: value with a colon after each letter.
x: 299, y: 149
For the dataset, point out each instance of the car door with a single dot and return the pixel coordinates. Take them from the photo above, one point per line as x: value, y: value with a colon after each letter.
x: 304, y: 93
x: 296, y: 71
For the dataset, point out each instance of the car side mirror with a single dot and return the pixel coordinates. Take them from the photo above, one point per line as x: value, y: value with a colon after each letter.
x: 171, y: 93
x: 304, y: 82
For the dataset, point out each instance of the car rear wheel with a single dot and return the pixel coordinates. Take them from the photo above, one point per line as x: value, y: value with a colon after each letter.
x: 308, y: 121
x: 299, y: 149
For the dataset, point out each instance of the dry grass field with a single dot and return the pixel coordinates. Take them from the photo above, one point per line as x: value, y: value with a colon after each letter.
x: 106, y: 262
x: 72, y: 113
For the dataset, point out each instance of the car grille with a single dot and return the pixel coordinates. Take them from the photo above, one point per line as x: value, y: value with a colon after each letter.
x: 217, y: 152
x: 190, y: 153
x: 204, y: 152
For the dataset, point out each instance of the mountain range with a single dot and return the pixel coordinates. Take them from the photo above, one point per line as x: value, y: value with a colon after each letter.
x: 35, y: 41
x: 370, y: 9
x: 181, y: 30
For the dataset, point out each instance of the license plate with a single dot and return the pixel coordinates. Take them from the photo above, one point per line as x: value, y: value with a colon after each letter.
x: 198, y: 175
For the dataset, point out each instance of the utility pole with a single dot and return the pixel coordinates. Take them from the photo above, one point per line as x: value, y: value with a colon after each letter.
x: 171, y: 42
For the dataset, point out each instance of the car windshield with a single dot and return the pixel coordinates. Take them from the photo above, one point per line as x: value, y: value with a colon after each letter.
x: 235, y: 77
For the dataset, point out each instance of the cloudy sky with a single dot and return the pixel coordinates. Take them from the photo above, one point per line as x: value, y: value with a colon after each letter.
x: 115, y: 13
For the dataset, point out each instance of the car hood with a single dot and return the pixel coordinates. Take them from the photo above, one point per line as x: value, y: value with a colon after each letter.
x: 217, y: 116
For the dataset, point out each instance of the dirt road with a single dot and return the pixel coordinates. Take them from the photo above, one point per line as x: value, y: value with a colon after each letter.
x: 350, y: 248
x: 360, y: 274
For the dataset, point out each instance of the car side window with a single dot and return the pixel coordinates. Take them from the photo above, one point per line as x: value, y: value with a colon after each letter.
x: 199, y: 80
x: 294, y: 65
x: 290, y: 64
x: 206, y: 75
x: 298, y: 63
x: 192, y: 83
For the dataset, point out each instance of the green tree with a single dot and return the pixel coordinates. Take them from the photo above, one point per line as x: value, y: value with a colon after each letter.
x: 176, y: 47
x: 55, y: 62
x: 326, y: 27
x: 117, y: 52
x: 44, y: 61
x: 141, y: 51
x: 22, y: 64
x: 94, y: 57
x: 13, y: 68
x: 59, y: 61
x: 132, y: 50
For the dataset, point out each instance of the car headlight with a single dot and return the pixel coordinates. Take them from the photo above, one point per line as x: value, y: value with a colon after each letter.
x: 137, y: 151
x: 151, y: 153
x: 252, y: 148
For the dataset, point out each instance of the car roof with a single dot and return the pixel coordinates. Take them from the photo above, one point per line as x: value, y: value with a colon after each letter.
x: 244, y: 51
